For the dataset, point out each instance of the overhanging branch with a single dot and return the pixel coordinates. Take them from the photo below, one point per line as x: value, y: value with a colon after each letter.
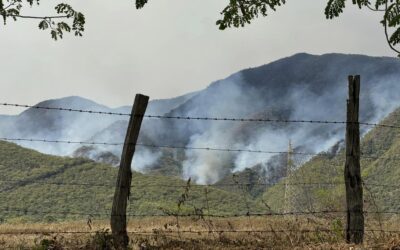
x: 38, y: 17
x: 385, y: 24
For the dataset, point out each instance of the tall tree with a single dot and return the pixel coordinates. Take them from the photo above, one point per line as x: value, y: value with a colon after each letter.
x: 237, y: 13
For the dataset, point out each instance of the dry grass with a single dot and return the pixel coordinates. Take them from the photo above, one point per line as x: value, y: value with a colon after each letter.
x: 200, y: 233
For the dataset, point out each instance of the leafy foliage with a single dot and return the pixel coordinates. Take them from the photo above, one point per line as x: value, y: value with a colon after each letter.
x: 334, y: 8
x: 395, y: 37
x: 140, y: 3
x: 391, y: 17
x: 12, y: 9
x: 237, y: 13
x: 392, y: 20
x: 240, y: 12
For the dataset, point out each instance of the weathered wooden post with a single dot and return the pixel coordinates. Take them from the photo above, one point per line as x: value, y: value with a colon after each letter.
x: 123, y: 186
x: 352, y: 171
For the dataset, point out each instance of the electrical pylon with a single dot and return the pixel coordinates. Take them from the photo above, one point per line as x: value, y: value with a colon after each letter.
x: 289, y: 206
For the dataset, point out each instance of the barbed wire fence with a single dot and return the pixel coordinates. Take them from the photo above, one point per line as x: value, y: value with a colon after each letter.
x: 198, y: 212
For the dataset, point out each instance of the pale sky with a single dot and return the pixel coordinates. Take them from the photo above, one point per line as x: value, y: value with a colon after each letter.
x: 169, y: 48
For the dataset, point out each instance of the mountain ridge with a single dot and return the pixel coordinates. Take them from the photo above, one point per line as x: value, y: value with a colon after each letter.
x: 299, y: 87
x: 38, y: 187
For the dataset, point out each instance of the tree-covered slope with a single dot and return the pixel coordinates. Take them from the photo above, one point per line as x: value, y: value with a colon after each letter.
x: 319, y: 184
x: 38, y: 187
x: 299, y: 87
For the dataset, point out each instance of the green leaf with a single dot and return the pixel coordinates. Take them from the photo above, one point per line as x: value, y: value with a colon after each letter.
x: 2, y: 12
x: 54, y: 35
x: 392, y: 15
x: 241, y: 12
x: 64, y: 26
x: 395, y: 37
x: 43, y: 25
x: 140, y: 3
x: 78, y: 24
x: 361, y: 3
x: 13, y: 13
x: 380, y: 3
x: 334, y: 8
x: 66, y: 9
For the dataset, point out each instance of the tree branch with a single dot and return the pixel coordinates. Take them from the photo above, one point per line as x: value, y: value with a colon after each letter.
x: 373, y: 9
x: 38, y: 17
x: 10, y: 5
x: 387, y: 33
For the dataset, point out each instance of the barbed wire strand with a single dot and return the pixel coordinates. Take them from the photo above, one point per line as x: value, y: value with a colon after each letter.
x: 139, y: 185
x: 173, y: 214
x: 154, y: 146
x: 200, y: 118
x: 25, y: 211
x: 64, y: 109
x: 196, y: 231
x: 231, y: 150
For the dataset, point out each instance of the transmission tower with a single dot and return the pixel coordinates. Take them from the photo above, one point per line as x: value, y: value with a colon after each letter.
x: 289, y: 206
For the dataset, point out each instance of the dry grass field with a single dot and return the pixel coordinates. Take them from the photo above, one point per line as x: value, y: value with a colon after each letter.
x: 199, y: 233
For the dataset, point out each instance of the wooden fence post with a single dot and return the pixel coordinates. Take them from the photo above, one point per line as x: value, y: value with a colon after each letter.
x: 352, y: 171
x: 123, y: 186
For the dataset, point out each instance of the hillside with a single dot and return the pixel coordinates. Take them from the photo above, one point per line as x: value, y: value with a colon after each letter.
x: 62, y: 125
x: 380, y: 149
x: 299, y: 87
x: 38, y: 187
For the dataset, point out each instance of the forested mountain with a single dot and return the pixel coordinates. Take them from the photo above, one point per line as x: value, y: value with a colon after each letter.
x: 38, y: 187
x: 300, y: 87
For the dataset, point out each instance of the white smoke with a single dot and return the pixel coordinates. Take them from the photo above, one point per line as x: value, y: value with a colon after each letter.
x: 209, y: 167
x: 144, y: 158
x: 233, y: 97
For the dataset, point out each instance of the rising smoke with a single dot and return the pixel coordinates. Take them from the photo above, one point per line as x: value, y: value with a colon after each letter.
x: 302, y: 87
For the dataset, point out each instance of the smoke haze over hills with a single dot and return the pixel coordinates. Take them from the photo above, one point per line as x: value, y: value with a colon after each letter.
x: 301, y: 87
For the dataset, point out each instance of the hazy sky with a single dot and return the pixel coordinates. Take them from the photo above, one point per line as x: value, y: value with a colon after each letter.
x: 169, y: 48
